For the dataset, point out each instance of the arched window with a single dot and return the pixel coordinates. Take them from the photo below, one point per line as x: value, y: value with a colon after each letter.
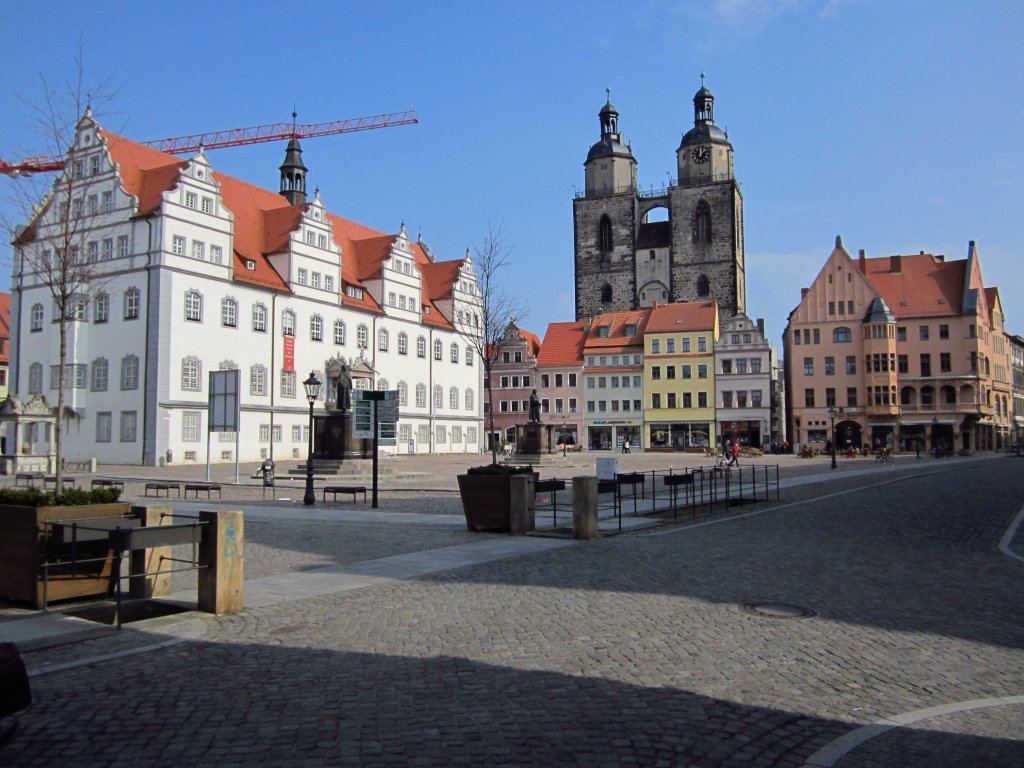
x: 259, y: 318
x: 101, y: 308
x: 382, y: 385
x: 287, y: 323
x: 606, y: 294
x: 129, y: 372
x: 438, y: 349
x: 469, y: 399
x: 421, y: 395
x: 702, y: 224
x: 421, y: 346
x: 403, y: 394
x: 37, y: 317
x: 229, y: 313
x: 453, y: 398
x: 35, y: 377
x: 403, y: 343
x: 703, y: 286
x: 339, y: 332
x: 100, y: 374
x: 316, y: 328
x: 191, y: 374
x: 362, y: 336
x: 438, y: 396
x: 258, y: 380
x: 604, y: 234
x: 454, y: 352
x: 469, y: 355
x: 842, y: 335
x: 132, y: 298
x: 382, y: 340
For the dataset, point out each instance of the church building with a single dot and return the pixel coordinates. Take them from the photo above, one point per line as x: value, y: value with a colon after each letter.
x: 678, y: 244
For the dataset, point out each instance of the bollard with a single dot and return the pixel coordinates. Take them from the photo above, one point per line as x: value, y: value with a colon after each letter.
x: 521, y: 514
x: 220, y: 582
x: 147, y: 562
x: 584, y: 507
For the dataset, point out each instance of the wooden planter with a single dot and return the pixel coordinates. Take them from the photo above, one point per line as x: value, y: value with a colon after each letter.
x: 23, y: 549
x: 486, y: 501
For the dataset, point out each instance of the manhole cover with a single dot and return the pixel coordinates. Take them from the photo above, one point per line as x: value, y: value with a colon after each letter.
x: 769, y: 610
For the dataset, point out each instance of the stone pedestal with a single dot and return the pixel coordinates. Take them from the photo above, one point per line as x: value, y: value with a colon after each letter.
x: 530, y: 437
x: 150, y: 562
x: 332, y: 438
x: 584, y: 507
x: 220, y: 583
x: 521, y: 514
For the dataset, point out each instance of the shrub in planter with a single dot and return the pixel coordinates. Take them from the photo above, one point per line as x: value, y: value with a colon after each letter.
x: 486, y: 495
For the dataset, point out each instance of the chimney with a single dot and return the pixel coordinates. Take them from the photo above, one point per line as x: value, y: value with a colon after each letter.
x: 760, y: 325
x: 587, y: 322
x: 897, y: 263
x: 803, y: 293
x: 862, y: 262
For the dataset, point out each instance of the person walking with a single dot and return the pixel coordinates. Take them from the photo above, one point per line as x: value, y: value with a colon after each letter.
x: 625, y: 445
x: 734, y: 454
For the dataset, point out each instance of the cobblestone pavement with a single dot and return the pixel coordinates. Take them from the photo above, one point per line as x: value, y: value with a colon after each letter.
x: 641, y: 649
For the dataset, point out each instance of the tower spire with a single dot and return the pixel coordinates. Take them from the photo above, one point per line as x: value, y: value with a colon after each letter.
x: 293, y: 171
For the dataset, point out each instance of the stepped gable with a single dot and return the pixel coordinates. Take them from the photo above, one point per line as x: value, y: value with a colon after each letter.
x: 563, y: 346
x: 682, y: 316
x: 921, y: 285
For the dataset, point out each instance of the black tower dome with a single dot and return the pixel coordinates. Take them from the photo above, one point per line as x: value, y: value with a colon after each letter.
x: 704, y: 130
x: 293, y: 172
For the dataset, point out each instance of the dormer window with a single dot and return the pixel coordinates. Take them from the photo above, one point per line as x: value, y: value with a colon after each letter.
x: 353, y: 293
x: 631, y: 330
x: 603, y: 331
x: 250, y: 264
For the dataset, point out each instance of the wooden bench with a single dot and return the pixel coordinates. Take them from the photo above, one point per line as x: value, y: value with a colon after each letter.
x: 101, y: 482
x: 334, y: 490
x: 29, y: 478
x: 206, y: 487
x: 66, y: 481
x: 165, y: 487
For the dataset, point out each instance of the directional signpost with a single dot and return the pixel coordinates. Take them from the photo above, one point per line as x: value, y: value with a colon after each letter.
x: 375, y: 415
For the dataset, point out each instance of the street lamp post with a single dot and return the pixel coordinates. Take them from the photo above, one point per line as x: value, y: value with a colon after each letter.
x: 832, y: 412
x: 312, y: 386
x: 935, y: 444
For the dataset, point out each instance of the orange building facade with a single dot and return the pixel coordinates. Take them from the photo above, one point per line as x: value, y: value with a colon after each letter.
x: 898, y: 351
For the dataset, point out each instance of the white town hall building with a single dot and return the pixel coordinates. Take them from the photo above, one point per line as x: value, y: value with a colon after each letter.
x: 196, y: 271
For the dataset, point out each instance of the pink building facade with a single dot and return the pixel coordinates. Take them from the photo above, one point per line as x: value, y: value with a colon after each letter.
x: 513, y: 379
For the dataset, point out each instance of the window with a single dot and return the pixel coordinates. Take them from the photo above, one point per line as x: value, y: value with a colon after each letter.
x: 104, y: 421
x: 193, y: 306
x: 438, y: 396
x: 258, y: 380
x: 303, y: 276
x: 321, y: 241
x: 316, y: 328
x: 755, y: 398
x: 903, y: 364
x: 122, y: 245
x: 454, y: 352
x: 228, y: 313
x: 702, y: 225
x: 128, y: 426
x: 329, y: 283
x: 655, y: 400
x: 727, y: 399
x: 440, y: 434
x: 362, y: 336
x: 741, y: 365
x: 198, y: 250
x: 703, y: 286
x: 35, y: 378
x: 101, y: 308
x: 207, y: 205
x: 830, y: 366
x: 809, y: 398
x: 94, y: 165
x: 382, y: 340
x: 287, y: 383
x: 945, y: 363
x: 288, y: 323
x: 831, y: 304
x: 178, y: 245
x: 901, y: 333
x: 191, y: 371
x: 851, y: 363
x: 339, y: 332
x: 129, y: 372
x: 353, y: 293
x: 108, y: 248
x: 131, y: 304
x: 421, y: 346
x: 670, y: 345
x: 687, y: 372
x: 469, y: 356
x: 808, y: 366
x: 37, y: 318
x: 190, y: 421
x: 453, y: 398
x: 604, y: 235
x: 438, y: 349
x: 842, y: 335
x: 830, y: 397
x: 259, y: 318
x: 926, y: 364
x: 702, y: 371
x: 100, y: 374
x: 702, y: 344
x: 817, y: 336
x: 796, y: 337
x: 655, y: 372
x: 755, y: 365
x: 191, y: 199
x: 727, y: 366
x: 923, y: 331
x: 403, y: 394
x: 403, y: 343
x: 655, y: 346
x: 702, y: 399
x: 421, y: 395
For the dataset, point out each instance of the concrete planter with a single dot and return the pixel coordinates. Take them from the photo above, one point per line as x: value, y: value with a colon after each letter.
x: 23, y: 549
x: 486, y: 501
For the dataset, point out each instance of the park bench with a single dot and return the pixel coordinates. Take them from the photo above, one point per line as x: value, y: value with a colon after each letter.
x: 334, y: 490
x: 29, y: 478
x: 66, y: 481
x: 674, y: 481
x: 206, y: 488
x: 101, y: 482
x: 156, y: 488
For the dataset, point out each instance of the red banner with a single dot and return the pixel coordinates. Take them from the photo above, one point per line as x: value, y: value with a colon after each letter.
x: 289, y: 353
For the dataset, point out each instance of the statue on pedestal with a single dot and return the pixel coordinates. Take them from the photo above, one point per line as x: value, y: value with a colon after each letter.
x: 534, y: 407
x: 345, y: 388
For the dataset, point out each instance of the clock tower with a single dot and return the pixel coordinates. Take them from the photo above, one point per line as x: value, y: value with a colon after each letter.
x: 636, y: 247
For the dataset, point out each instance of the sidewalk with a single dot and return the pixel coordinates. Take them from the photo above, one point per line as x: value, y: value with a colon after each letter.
x: 403, y: 512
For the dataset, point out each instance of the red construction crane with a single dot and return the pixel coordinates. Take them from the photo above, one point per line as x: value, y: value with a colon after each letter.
x: 233, y: 138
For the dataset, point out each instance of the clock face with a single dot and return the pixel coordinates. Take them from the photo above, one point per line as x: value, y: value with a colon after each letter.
x: 701, y: 154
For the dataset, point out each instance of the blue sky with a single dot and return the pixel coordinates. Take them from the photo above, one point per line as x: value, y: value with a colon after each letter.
x: 897, y: 125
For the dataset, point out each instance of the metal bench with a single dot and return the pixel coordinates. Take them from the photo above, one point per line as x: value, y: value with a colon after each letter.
x: 165, y: 487
x: 673, y: 482
x: 100, y: 482
x: 334, y: 490
x: 29, y: 478
x: 65, y: 481
x: 205, y: 487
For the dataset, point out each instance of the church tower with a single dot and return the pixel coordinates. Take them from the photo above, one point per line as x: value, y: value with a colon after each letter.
x: 293, y: 173
x: 604, y: 222
x: 681, y: 243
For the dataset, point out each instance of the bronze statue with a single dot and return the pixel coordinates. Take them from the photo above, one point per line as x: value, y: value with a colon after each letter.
x: 345, y: 388
x: 534, y: 407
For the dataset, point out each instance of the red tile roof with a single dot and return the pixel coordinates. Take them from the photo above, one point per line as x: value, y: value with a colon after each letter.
x: 5, y: 324
x: 617, y: 322
x: 264, y: 221
x: 683, y: 316
x: 563, y: 345
x: 921, y: 285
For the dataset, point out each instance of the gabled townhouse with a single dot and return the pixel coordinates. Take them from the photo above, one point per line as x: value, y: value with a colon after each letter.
x: 560, y: 384
x: 898, y: 351
x: 513, y: 379
x: 743, y: 386
x: 679, y: 376
x: 198, y: 272
x: 613, y: 373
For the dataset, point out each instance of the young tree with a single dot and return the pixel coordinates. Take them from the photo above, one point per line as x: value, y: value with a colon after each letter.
x: 51, y: 244
x: 498, y: 308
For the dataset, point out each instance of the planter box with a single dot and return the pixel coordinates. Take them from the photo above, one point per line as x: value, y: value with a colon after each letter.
x: 23, y: 549
x: 486, y: 501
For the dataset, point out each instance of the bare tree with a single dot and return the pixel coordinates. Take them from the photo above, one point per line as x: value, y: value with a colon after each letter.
x: 498, y: 308
x: 51, y: 244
